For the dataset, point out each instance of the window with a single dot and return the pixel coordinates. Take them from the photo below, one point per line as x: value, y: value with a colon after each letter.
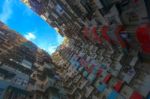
x: 59, y: 9
x: 51, y: 4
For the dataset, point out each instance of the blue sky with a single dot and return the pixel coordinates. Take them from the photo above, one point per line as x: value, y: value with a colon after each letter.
x: 21, y: 18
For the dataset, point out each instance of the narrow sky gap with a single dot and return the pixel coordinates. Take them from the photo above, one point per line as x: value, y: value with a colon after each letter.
x: 19, y: 17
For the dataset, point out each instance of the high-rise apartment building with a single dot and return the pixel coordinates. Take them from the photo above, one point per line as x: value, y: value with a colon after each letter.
x: 26, y: 71
x: 93, y: 19
x: 101, y: 60
x: 89, y: 72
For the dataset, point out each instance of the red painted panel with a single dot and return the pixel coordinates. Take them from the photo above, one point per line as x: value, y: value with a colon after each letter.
x: 96, y: 36
x: 117, y: 32
x: 107, y: 78
x: 143, y: 36
x: 99, y: 72
x: 85, y: 31
x: 118, y: 86
x: 104, y: 33
x: 136, y: 95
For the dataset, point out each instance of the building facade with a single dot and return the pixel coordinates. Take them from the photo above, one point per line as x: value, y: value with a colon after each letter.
x: 26, y: 71
x: 101, y: 59
x: 90, y: 72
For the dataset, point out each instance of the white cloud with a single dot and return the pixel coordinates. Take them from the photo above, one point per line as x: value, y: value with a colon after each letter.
x: 6, y: 11
x: 59, y: 39
x: 52, y: 49
x: 30, y: 36
x: 56, y: 29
